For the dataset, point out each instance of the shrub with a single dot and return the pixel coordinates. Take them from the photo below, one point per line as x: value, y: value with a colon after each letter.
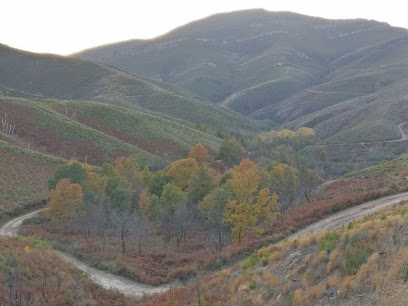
x: 252, y: 285
x: 357, y: 237
x: 404, y: 271
x: 354, y: 257
x: 383, y: 217
x: 329, y: 242
x: 251, y: 262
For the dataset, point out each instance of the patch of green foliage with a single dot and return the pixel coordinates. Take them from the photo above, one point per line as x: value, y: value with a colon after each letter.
x: 251, y: 262
x: 329, y: 242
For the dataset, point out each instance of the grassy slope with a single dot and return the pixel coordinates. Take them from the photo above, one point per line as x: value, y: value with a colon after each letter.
x: 50, y: 132
x: 156, y: 135
x: 362, y: 263
x: 391, y: 167
x: 68, y: 78
x: 23, y: 176
x: 46, y: 279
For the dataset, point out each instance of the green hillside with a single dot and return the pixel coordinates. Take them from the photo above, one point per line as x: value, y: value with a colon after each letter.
x: 66, y: 78
x: 89, y: 130
x: 251, y: 60
x: 23, y: 177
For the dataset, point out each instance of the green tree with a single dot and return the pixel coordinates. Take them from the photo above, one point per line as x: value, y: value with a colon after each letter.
x: 73, y: 171
x: 283, y: 181
x: 230, y: 151
x: 212, y: 207
x: 200, y: 184
x: 158, y: 181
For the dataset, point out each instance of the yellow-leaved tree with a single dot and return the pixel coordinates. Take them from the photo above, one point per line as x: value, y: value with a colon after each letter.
x: 181, y: 170
x: 64, y: 203
x: 250, y: 206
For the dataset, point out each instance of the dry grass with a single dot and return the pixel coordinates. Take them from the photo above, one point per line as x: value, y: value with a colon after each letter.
x: 271, y: 280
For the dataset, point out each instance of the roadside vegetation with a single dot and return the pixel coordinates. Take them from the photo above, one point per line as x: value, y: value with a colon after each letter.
x: 364, y: 262
x: 32, y: 274
x: 194, y: 215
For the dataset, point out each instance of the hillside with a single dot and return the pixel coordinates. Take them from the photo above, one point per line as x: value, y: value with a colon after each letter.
x: 23, y: 177
x: 35, y: 275
x: 364, y: 262
x: 253, y: 61
x: 64, y: 78
x: 89, y: 130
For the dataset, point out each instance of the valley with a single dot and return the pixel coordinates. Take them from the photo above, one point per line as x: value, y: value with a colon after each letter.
x: 246, y: 158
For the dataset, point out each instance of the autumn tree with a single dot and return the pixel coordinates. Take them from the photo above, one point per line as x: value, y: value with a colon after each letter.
x: 64, y: 203
x: 199, y: 153
x: 181, y: 170
x: 249, y: 206
x: 145, y: 201
x: 230, y: 151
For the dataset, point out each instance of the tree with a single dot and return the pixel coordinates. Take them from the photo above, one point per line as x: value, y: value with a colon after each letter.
x: 181, y: 170
x: 230, y: 150
x: 172, y: 197
x: 283, y: 181
x: 74, y: 171
x: 145, y: 201
x: 128, y: 168
x: 212, y: 207
x: 200, y: 184
x: 64, y: 203
x: 199, y: 153
x: 308, y: 180
x: 158, y: 181
x: 183, y: 220
x: 248, y: 207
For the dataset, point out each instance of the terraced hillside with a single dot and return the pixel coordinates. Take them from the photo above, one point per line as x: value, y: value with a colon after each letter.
x: 88, y: 130
x: 23, y: 176
x: 57, y: 77
x: 275, y: 66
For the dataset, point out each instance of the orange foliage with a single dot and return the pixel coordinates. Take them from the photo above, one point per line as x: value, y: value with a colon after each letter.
x: 64, y: 201
x: 199, y: 153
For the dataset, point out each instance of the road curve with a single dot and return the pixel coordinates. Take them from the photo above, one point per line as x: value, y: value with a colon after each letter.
x: 135, y: 289
x: 105, y: 279
x: 336, y: 220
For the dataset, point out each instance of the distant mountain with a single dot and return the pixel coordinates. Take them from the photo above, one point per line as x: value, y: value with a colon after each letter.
x: 265, y: 64
x: 56, y: 77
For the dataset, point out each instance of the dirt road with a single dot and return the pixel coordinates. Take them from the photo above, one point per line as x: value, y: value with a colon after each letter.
x: 105, y: 279
x: 131, y: 288
x: 335, y: 221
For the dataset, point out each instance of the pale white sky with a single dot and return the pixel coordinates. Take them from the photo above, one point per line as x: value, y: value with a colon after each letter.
x: 67, y: 26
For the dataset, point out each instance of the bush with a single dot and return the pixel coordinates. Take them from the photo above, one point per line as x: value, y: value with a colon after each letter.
x: 357, y: 237
x: 251, y: 262
x: 329, y: 242
x: 354, y: 257
x: 404, y: 271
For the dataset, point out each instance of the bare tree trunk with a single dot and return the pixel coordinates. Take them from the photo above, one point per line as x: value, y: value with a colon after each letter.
x: 10, y: 286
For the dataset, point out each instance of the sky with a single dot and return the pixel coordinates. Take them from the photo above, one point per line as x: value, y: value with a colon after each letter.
x: 67, y: 26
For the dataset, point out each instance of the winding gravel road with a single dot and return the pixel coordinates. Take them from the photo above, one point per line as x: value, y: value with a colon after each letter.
x: 105, y: 279
x: 135, y: 289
